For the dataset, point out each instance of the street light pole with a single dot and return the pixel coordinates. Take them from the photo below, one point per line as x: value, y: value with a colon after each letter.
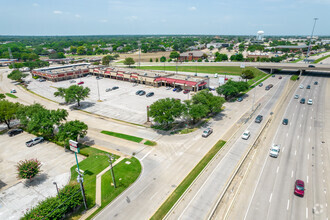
x: 139, y: 54
x: 111, y: 170
x: 310, y: 40
x: 98, y: 89
x: 58, y: 193
x: 254, y: 95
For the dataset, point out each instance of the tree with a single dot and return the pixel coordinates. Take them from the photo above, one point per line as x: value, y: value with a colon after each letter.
x: 195, y: 111
x: 212, y: 103
x: 156, y: 60
x: 105, y: 60
x: 165, y: 111
x: 204, y: 56
x: 16, y: 75
x: 74, y: 93
x: 247, y: 74
x: 163, y: 59
x: 129, y: 61
x: 27, y: 169
x: 232, y: 88
x: 8, y: 111
x: 72, y: 130
x: 174, y: 55
x: 150, y: 60
x: 2, y: 96
x: 81, y: 50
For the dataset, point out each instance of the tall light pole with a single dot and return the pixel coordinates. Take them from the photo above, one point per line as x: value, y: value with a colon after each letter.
x: 139, y: 44
x: 310, y: 40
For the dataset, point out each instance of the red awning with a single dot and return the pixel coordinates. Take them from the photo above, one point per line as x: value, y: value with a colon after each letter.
x: 202, y: 84
x: 190, y: 83
x: 134, y: 77
x: 121, y: 75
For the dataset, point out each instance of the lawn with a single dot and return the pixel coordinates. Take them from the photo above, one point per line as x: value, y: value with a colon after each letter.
x: 11, y: 95
x: 322, y: 58
x: 222, y: 70
x: 172, y: 199
x: 123, y: 136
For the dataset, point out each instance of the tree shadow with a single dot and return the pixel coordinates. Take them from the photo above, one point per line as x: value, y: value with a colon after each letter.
x: 86, y: 141
x: 39, y: 179
x: 83, y: 105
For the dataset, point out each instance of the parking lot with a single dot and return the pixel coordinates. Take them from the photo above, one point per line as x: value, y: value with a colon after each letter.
x: 122, y: 103
x: 18, y: 194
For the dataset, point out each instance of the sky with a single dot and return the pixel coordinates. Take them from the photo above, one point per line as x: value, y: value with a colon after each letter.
x: 166, y: 17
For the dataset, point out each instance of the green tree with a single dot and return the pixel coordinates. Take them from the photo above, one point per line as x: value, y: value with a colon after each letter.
x: 72, y: 130
x: 81, y: 50
x: 129, y: 61
x: 247, y: 74
x: 156, y: 60
x: 2, y: 96
x: 195, y: 111
x: 228, y: 90
x: 27, y: 169
x: 165, y: 111
x: 212, y: 103
x: 74, y: 93
x: 73, y: 49
x: 150, y: 60
x: 8, y: 111
x: 204, y: 56
x: 163, y: 59
x: 16, y: 75
x: 174, y: 55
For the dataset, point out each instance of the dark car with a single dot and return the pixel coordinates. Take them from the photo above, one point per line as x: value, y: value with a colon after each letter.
x: 186, y: 91
x: 80, y: 83
x: 240, y: 99
x: 302, y: 101
x: 311, y: 66
x: 261, y: 84
x: 138, y: 92
x: 280, y: 77
x: 14, y: 132
x: 268, y: 87
x: 308, y: 86
x: 273, y: 75
x: 142, y: 93
x: 175, y: 89
x: 285, y: 121
x: 150, y: 94
x: 258, y: 119
x: 115, y: 87
x: 299, y: 188
x: 316, y: 82
x: 179, y: 90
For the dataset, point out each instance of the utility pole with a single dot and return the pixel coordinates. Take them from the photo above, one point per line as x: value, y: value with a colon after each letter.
x: 111, y: 170
x: 310, y: 40
x: 139, y: 54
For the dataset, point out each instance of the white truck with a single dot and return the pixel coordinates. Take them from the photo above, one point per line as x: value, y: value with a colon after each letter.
x: 34, y: 141
x: 274, y: 150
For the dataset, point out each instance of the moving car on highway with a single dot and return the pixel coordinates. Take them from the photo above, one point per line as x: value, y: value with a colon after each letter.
x: 302, y: 101
x: 274, y: 150
x: 310, y: 102
x: 299, y: 188
x: 246, y: 135
x: 308, y: 87
x: 258, y: 119
x: 34, y: 141
x: 296, y: 96
x: 285, y: 121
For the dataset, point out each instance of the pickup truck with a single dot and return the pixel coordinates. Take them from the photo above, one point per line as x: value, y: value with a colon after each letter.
x: 34, y: 141
x: 274, y: 150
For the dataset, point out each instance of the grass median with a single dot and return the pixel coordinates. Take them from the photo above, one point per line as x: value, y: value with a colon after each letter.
x: 11, y: 95
x: 173, y: 198
x: 123, y: 136
x: 322, y: 58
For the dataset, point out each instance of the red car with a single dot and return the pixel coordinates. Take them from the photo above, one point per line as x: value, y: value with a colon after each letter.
x: 186, y: 91
x: 80, y: 83
x: 299, y: 188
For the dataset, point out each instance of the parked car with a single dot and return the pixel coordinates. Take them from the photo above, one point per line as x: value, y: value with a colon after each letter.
x: 268, y: 87
x: 72, y: 81
x: 174, y: 89
x: 296, y: 96
x: 142, y: 93
x: 311, y: 66
x: 301, y: 86
x: 178, y: 90
x: 150, y: 94
x: 108, y: 89
x: 258, y: 119
x: 14, y: 132
x: 316, y: 82
x: 186, y: 91
x: 280, y: 77
x: 285, y: 121
x: 246, y: 135
x: 99, y: 77
x: 13, y: 91
x: 274, y: 150
x: 81, y: 82
x: 240, y: 99
x: 299, y: 188
x: 302, y: 101
x: 207, y: 132
x: 261, y: 84
x: 168, y: 88
x: 115, y: 87
x: 34, y: 141
x: 308, y: 87
x: 138, y: 92
x: 41, y: 80
x: 273, y: 75
x: 310, y: 102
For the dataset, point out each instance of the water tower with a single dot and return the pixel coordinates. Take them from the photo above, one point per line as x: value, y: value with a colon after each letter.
x: 260, y: 35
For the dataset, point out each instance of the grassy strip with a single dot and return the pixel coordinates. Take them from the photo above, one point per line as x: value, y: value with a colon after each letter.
x: 150, y: 143
x: 173, y: 198
x: 187, y: 130
x: 125, y: 175
x: 320, y: 59
x: 222, y: 70
x: 296, y: 61
x: 11, y: 95
x: 258, y: 74
x: 123, y: 136
x: 294, y: 77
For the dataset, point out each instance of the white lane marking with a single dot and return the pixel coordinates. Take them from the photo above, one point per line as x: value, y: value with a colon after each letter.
x: 277, y: 169
x: 311, y: 117
x: 270, y: 198
x: 306, y: 212
x: 295, y: 152
x: 312, y: 109
x: 296, y: 106
x: 287, y: 134
x: 291, y: 173
x: 322, y: 162
x: 324, y: 181
x: 283, y: 150
x: 298, y: 137
x: 307, y: 156
x: 300, y: 125
x: 309, y: 139
x: 326, y: 204
x: 310, y: 128
x: 302, y: 115
x: 293, y: 115
x: 153, y: 196
x: 307, y: 179
x: 287, y: 206
x: 147, y: 154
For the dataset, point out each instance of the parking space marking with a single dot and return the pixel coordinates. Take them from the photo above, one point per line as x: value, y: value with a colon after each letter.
x: 307, y: 179
x: 287, y: 206
x: 291, y: 173
x: 270, y: 198
x: 277, y: 169
x: 306, y: 212
x: 307, y: 156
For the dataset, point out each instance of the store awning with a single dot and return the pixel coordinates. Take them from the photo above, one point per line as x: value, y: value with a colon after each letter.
x: 202, y: 84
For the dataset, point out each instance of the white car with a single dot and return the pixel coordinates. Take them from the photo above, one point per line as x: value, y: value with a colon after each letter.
x: 296, y: 96
x: 13, y: 91
x: 301, y: 86
x: 246, y: 135
x: 274, y: 150
x: 207, y: 132
x: 310, y: 102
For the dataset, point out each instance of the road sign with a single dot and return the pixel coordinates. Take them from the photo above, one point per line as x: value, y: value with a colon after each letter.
x: 74, y: 146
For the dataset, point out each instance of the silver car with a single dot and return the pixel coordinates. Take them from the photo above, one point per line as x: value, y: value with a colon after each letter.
x: 207, y: 132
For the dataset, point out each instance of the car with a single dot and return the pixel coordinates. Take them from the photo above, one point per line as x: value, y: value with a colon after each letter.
x: 14, y: 132
x: 178, y: 90
x: 246, y: 135
x: 72, y: 81
x: 108, y: 89
x: 115, y: 87
x: 308, y: 87
x: 207, y: 132
x: 311, y: 66
x: 150, y: 94
x: 174, y: 89
x: 142, y: 93
x: 13, y: 91
x: 299, y: 188
x: 280, y: 77
x: 41, y: 80
x: 274, y: 150
x: 138, y: 92
x: 273, y: 75
x: 99, y: 77
x: 81, y: 82
x: 240, y: 99
x: 316, y: 83
x: 261, y: 84
x: 296, y: 96
x: 310, y: 102
x: 258, y: 119
x: 186, y: 91
x: 285, y: 121
x: 34, y: 141
x: 168, y: 88
x: 268, y: 87
x: 302, y: 101
x: 301, y: 86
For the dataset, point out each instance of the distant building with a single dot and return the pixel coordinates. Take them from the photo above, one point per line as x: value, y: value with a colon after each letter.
x: 191, y: 55
x: 256, y: 55
x: 217, y: 45
x: 7, y: 62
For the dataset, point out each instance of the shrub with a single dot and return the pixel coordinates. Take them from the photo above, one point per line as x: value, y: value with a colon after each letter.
x: 294, y: 77
x: 28, y: 169
x: 57, y: 208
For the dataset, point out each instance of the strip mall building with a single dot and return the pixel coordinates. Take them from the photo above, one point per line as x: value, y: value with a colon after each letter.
x: 147, y: 77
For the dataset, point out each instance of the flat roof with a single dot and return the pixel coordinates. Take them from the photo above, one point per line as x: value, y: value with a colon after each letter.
x: 63, y: 69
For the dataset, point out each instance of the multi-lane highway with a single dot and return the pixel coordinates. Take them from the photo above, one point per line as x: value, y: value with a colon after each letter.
x: 304, y: 155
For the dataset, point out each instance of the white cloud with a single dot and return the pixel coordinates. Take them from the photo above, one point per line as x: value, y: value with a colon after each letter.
x: 104, y: 20
x: 77, y: 16
x: 35, y: 4
x: 192, y: 8
x: 57, y: 12
x: 132, y: 18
